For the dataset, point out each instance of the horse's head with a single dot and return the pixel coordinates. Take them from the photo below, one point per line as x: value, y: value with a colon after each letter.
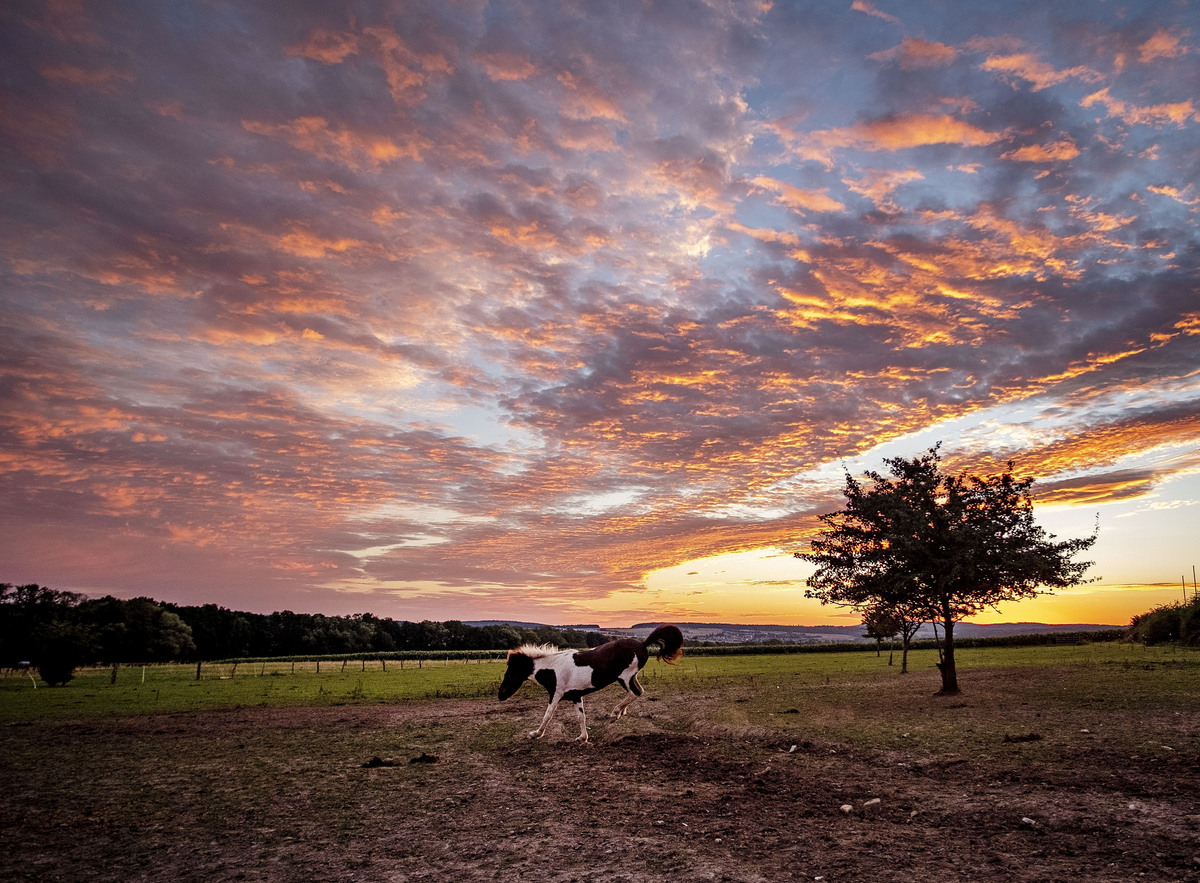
x: 520, y: 669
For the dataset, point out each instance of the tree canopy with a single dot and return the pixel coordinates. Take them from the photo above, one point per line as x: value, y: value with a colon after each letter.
x: 941, y: 545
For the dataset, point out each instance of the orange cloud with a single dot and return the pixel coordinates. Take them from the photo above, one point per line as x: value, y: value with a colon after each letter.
x: 1029, y: 67
x: 766, y: 235
x: 354, y: 149
x: 1056, y: 152
x: 406, y: 71
x: 504, y: 66
x: 1106, y: 444
x: 1178, y: 113
x: 584, y: 101
x: 893, y: 133
x: 1161, y: 45
x: 307, y: 245
x: 914, y: 54
x: 871, y: 9
x: 878, y: 185
x: 1176, y: 194
x: 797, y: 199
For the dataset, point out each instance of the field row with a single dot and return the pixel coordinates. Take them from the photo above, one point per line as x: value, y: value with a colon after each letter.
x: 1128, y: 671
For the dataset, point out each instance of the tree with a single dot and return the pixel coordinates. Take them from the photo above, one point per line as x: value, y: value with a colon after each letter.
x: 137, y: 630
x: 945, y: 545
x: 26, y: 612
x: 880, y: 625
x: 63, y: 647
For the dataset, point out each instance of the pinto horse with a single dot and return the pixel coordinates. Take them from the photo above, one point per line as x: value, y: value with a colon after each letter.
x: 572, y: 674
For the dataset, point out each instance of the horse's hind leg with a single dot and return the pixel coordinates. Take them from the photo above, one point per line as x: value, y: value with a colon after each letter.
x: 583, y: 733
x: 632, y: 691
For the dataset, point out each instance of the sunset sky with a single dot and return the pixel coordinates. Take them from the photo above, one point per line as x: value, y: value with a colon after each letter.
x: 579, y: 311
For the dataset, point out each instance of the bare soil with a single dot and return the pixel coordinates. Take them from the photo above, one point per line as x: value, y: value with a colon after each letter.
x: 453, y: 790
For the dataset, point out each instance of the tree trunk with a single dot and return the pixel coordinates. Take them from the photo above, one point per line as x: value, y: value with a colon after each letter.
x: 949, y: 673
x: 904, y: 654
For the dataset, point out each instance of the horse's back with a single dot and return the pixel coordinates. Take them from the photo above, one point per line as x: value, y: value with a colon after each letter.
x: 604, y: 655
x: 609, y: 661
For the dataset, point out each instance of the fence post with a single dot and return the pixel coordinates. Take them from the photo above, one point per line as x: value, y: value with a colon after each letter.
x: 198, y: 664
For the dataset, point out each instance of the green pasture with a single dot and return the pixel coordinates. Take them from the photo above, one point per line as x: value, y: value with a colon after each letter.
x: 832, y: 692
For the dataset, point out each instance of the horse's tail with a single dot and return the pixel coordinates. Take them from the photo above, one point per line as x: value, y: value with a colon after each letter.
x: 670, y: 641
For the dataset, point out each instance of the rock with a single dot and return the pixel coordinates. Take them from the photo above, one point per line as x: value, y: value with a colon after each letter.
x: 873, y: 803
x: 425, y: 758
x: 1028, y: 822
x: 847, y: 808
x: 375, y: 762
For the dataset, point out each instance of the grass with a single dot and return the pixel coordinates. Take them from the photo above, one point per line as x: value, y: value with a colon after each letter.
x: 1053, y: 692
x: 174, y: 688
x: 765, y: 687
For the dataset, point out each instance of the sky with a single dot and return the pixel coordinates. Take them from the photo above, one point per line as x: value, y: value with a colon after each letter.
x: 581, y: 311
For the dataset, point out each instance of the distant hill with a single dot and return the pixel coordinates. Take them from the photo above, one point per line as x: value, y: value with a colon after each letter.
x: 741, y: 633
x: 481, y: 623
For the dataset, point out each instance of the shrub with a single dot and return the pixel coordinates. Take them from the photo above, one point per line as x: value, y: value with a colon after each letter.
x: 56, y: 672
x: 1171, y: 622
x: 1189, y: 625
x: 62, y: 647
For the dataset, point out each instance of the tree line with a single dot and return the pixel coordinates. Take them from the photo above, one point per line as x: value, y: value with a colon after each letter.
x: 57, y: 631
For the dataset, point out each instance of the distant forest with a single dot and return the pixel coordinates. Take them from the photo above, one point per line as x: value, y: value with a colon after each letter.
x: 36, y: 622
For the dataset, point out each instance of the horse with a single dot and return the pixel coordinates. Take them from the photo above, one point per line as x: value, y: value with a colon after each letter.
x: 572, y: 674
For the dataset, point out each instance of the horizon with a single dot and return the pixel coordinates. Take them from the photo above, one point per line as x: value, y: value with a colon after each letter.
x: 849, y: 618
x: 581, y: 313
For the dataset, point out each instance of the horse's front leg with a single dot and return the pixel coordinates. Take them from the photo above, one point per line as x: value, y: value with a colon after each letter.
x: 553, y: 704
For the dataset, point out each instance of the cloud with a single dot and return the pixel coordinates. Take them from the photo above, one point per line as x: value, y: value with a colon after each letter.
x: 1162, y: 45
x: 798, y: 199
x: 1058, y: 151
x: 1038, y: 73
x: 421, y: 309
x: 890, y: 134
x: 914, y: 54
x: 1179, y: 113
x: 879, y: 185
x: 872, y: 10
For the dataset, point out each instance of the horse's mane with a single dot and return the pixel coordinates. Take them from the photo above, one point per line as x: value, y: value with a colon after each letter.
x: 534, y: 651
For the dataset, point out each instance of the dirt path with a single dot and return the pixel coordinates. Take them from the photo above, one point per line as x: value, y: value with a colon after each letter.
x: 452, y: 791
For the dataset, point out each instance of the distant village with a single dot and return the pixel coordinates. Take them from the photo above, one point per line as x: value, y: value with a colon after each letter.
x: 732, y: 633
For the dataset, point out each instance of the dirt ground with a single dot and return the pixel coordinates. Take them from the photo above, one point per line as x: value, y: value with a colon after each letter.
x: 452, y: 790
